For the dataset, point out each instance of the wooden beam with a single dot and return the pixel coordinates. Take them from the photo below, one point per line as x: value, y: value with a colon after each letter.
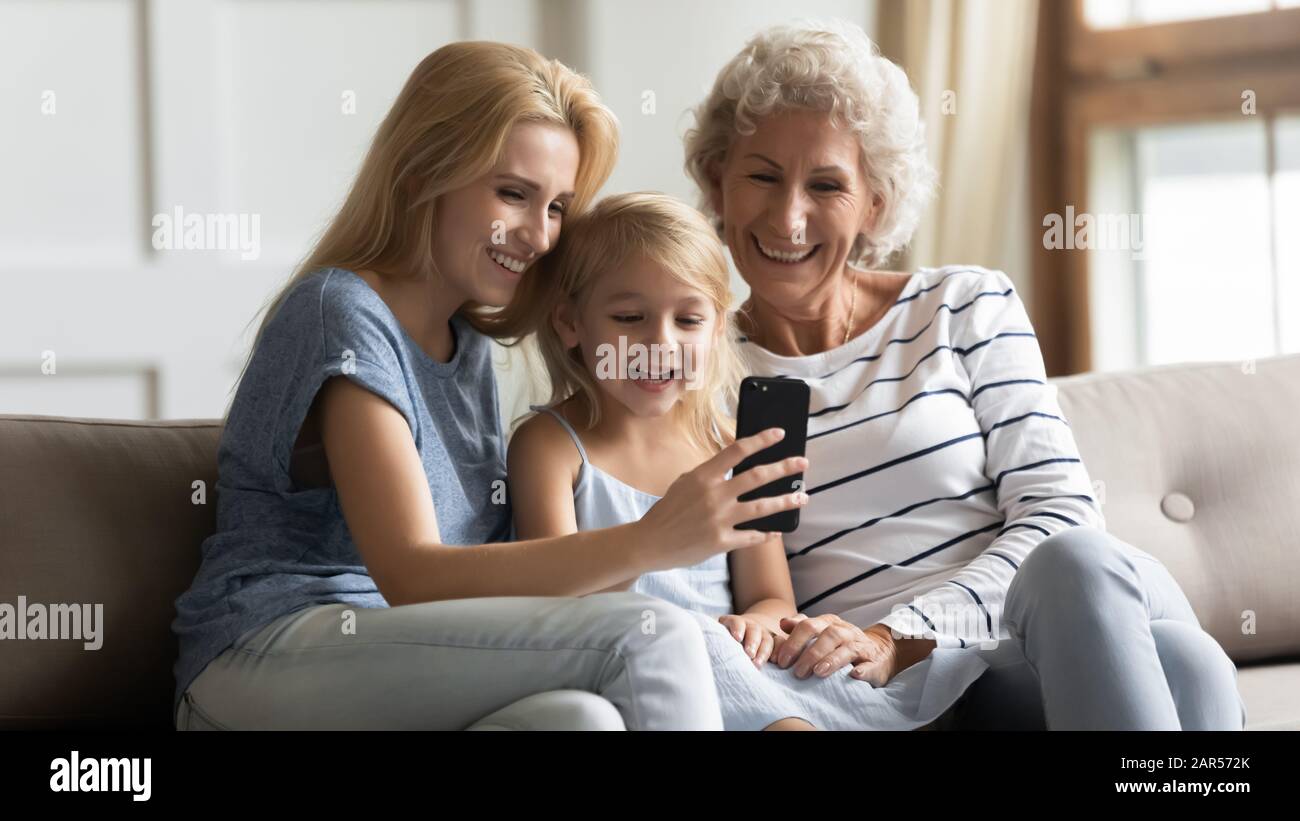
x: 1054, y: 309
x: 1166, y: 46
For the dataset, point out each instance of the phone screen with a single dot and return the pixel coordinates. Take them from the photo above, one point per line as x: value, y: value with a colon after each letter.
x: 773, y: 403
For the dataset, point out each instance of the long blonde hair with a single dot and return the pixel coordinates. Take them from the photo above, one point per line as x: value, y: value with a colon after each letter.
x: 447, y: 128
x: 673, y: 235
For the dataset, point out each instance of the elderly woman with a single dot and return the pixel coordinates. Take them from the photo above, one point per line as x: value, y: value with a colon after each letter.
x: 949, y: 506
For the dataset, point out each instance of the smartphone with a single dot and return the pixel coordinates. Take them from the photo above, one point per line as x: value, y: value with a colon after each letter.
x: 773, y: 403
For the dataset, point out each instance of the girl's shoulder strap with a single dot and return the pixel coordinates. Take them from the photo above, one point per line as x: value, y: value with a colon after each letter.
x: 573, y: 434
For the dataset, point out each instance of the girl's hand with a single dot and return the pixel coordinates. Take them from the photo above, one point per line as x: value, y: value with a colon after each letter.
x: 698, y: 515
x: 752, y: 634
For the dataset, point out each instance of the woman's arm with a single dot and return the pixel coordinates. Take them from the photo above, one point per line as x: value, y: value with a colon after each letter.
x: 1032, y: 460
x: 385, y: 498
x: 1041, y: 484
x: 541, y: 468
x: 386, y: 502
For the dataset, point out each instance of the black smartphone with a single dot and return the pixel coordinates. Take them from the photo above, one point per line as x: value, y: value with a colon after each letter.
x: 773, y: 403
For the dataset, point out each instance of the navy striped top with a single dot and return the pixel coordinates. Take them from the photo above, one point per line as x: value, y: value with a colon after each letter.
x: 938, y: 458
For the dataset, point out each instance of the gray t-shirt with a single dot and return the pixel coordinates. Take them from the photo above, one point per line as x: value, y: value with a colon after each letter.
x: 281, y: 542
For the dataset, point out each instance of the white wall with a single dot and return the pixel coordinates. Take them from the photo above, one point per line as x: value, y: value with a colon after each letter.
x: 117, y: 110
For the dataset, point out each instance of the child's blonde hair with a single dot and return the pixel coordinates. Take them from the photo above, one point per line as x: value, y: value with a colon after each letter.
x: 670, y: 234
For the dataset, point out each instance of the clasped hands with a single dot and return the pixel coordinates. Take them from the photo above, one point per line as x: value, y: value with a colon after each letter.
x: 828, y: 643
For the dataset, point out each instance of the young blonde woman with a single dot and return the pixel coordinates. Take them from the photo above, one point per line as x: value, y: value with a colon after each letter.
x: 360, y: 575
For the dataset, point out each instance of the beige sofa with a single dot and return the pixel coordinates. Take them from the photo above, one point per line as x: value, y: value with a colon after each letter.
x: 1198, y: 464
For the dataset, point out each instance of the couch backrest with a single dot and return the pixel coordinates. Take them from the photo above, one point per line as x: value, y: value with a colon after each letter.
x: 1199, y: 465
x: 100, y: 512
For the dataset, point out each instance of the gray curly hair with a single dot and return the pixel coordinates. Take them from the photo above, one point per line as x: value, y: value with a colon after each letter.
x: 829, y: 66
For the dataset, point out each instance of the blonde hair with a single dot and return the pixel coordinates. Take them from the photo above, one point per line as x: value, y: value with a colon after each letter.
x: 447, y: 128
x: 828, y: 66
x: 670, y: 234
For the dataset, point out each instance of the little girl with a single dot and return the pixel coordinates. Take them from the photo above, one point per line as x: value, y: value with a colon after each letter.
x: 634, y: 331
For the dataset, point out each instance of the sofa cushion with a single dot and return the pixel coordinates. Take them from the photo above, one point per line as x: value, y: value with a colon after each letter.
x: 1269, y: 691
x: 1199, y: 465
x: 100, y: 512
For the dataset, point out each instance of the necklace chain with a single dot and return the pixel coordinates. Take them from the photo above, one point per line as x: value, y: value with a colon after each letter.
x: 853, y: 309
x: 853, y: 312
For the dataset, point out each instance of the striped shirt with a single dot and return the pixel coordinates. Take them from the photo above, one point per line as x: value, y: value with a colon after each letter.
x: 938, y: 458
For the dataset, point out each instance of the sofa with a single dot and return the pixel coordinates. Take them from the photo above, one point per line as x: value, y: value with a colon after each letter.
x: 1198, y: 464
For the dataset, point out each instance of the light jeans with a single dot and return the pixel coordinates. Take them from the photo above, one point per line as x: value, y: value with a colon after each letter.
x: 1103, y: 638
x: 494, y: 663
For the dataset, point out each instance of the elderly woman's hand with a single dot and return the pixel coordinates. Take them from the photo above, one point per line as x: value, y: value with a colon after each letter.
x: 875, y: 656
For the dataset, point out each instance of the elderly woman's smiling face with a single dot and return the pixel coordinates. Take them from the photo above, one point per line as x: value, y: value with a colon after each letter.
x: 793, y: 198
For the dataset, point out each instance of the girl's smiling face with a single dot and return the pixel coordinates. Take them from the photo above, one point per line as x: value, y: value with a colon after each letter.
x: 490, y: 232
x: 645, y: 336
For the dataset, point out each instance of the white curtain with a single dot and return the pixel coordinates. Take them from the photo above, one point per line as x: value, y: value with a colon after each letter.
x: 971, y: 62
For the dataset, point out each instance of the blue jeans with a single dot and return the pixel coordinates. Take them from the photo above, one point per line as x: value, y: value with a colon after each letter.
x: 1103, y: 638
x: 492, y: 663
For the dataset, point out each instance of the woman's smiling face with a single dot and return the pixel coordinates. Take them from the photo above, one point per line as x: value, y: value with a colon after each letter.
x: 490, y: 232
x: 793, y: 198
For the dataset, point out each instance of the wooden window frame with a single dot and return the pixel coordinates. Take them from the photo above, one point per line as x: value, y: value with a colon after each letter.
x: 1085, y: 78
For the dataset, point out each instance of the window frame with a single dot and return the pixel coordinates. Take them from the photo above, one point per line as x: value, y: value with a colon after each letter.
x: 1142, y: 75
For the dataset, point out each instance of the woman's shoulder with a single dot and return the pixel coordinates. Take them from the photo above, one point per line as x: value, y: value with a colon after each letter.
x: 348, y: 317
x: 323, y: 297
x: 953, y: 284
x: 345, y: 296
x: 981, y: 304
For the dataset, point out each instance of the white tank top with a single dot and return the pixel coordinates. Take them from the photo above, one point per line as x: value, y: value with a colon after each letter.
x: 600, y: 501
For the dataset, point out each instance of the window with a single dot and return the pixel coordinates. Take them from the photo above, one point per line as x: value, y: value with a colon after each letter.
x: 1208, y: 270
x: 1171, y: 133
x: 1102, y: 14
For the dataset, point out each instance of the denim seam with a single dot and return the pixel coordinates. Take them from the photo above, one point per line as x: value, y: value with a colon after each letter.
x: 194, y: 708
